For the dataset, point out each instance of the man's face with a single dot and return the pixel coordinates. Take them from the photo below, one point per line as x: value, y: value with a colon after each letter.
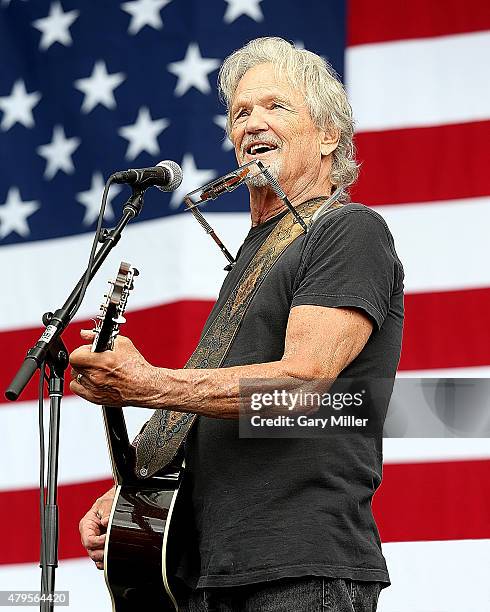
x: 271, y: 122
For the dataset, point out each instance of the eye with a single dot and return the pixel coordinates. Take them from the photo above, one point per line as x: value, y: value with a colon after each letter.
x: 277, y: 105
x: 241, y: 113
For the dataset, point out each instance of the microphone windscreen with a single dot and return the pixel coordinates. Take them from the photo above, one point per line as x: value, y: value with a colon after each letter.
x: 175, y: 172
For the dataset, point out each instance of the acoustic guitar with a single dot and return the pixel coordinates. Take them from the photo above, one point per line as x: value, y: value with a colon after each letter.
x: 136, y: 554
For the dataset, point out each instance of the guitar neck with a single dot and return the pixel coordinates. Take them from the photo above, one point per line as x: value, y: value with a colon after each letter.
x: 121, y: 451
x: 107, y: 328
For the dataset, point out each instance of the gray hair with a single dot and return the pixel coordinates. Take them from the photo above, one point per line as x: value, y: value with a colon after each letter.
x: 324, y: 93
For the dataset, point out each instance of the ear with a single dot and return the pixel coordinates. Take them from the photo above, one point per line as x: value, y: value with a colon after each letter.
x: 329, y: 139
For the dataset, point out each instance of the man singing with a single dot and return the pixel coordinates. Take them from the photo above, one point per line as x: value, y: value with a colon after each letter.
x: 279, y: 524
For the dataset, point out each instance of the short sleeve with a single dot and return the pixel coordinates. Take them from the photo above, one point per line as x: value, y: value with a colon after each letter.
x: 349, y: 261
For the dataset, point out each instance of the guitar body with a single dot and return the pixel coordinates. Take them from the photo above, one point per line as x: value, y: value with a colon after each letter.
x: 136, y: 557
x: 135, y: 561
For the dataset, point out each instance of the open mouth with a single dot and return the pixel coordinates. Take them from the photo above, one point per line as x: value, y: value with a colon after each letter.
x: 259, y: 148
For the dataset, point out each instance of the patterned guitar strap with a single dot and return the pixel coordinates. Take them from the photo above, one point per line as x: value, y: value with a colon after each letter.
x: 166, y: 430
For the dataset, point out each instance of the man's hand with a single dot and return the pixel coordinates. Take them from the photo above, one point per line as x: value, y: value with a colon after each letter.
x: 121, y: 377
x: 93, y: 527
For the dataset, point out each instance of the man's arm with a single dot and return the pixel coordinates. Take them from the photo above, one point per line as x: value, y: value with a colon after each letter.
x: 320, y: 342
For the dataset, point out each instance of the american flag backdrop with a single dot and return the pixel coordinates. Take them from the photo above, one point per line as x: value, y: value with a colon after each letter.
x: 87, y: 88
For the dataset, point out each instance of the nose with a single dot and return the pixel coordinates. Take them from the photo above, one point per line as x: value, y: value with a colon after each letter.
x: 256, y: 121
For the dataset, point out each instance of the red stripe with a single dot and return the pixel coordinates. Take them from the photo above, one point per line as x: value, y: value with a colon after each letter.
x: 22, y: 545
x: 447, y: 329
x: 166, y: 334
x: 427, y: 501
x: 423, y: 164
x: 434, y: 501
x: 374, y: 21
x: 434, y: 335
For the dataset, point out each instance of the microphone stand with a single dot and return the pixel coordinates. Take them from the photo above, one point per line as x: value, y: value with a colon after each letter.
x: 50, y: 349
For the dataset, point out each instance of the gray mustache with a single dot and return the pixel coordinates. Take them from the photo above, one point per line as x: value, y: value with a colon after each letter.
x: 251, y: 141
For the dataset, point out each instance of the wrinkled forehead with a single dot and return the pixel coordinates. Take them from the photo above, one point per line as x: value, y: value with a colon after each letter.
x: 266, y: 81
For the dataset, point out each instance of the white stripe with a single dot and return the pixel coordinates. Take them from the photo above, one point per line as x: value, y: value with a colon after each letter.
x: 442, y: 246
x: 176, y: 259
x: 419, y: 450
x: 85, y: 583
x: 447, y: 576
x: 83, y: 449
x: 84, y: 456
x: 422, y: 82
x: 437, y: 577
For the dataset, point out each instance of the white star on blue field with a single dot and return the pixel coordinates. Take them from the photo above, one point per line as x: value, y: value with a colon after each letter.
x: 89, y: 88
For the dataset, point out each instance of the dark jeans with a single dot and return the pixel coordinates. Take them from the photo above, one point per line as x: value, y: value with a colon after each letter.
x: 307, y: 594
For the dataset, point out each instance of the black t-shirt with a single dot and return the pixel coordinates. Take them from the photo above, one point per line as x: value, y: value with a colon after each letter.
x: 264, y: 509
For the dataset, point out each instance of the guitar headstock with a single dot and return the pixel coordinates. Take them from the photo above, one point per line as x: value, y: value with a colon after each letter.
x: 112, y: 310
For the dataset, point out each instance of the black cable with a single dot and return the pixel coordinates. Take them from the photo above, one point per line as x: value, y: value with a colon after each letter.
x: 91, y: 258
x: 42, y: 453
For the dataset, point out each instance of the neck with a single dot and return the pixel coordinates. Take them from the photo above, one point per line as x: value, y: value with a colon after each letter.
x: 264, y: 203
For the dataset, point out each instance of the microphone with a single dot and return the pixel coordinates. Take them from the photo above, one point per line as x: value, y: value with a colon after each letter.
x: 166, y: 175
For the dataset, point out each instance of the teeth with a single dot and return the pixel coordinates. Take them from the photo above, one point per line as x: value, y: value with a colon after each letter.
x: 254, y: 148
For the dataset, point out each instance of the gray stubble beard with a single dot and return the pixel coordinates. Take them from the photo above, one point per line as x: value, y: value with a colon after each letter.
x: 261, y: 181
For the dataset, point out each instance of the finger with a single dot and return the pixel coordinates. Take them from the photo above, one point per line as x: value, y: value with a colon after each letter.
x: 121, y: 339
x: 89, y: 524
x: 80, y: 378
x: 93, y: 545
x: 82, y: 357
x: 105, y: 520
x: 124, y: 343
x: 82, y: 391
x: 96, y: 542
x: 89, y: 540
x: 96, y: 555
x: 99, y: 565
x: 87, y: 334
x: 89, y: 527
x: 74, y: 373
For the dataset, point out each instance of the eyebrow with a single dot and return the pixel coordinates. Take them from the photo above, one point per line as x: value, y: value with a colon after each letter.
x: 242, y: 102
